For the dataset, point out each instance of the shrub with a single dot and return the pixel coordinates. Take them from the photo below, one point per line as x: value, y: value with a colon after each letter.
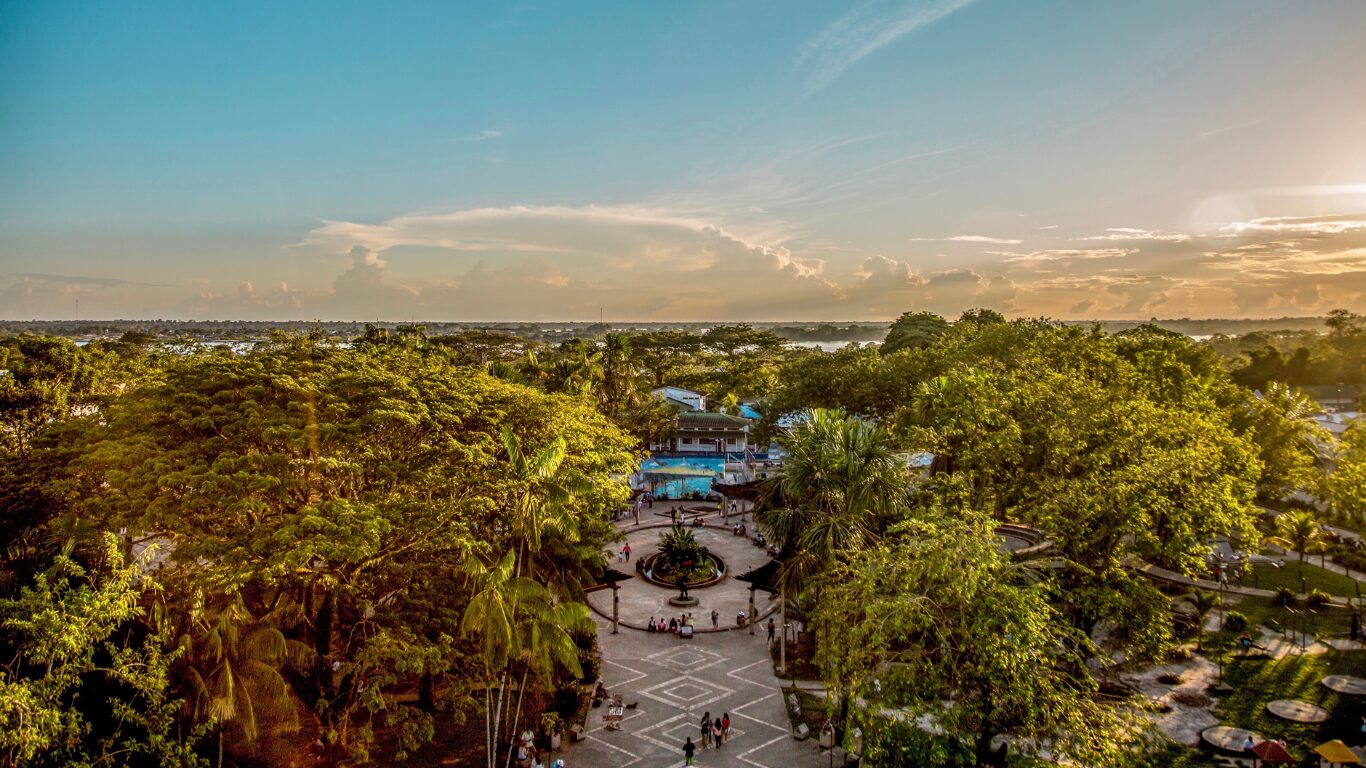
x: 1235, y: 621
x: 1285, y: 597
x: 1317, y: 598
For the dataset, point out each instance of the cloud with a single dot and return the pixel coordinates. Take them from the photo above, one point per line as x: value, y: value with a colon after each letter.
x: 968, y: 239
x: 545, y: 262
x: 847, y: 40
x: 484, y: 135
x: 1131, y: 234
x: 1064, y: 254
x: 1313, y: 225
x: 683, y: 261
x: 81, y: 280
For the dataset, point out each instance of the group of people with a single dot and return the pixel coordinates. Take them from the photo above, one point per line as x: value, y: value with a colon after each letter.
x: 714, y: 734
x: 529, y: 757
x: 673, y: 626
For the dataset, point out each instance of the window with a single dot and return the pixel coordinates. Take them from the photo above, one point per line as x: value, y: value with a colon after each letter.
x: 687, y: 441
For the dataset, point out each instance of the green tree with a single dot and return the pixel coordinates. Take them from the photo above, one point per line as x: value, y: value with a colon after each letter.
x: 914, y: 330
x: 840, y: 483
x: 1301, y: 529
x: 1203, y: 601
x: 82, y: 682
x: 349, y: 480
x: 232, y: 665
x: 1280, y: 423
x: 47, y: 379
x: 934, y: 621
x: 518, y: 622
x: 1346, y: 485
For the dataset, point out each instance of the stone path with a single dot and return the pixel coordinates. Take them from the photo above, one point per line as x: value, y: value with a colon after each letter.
x: 673, y: 681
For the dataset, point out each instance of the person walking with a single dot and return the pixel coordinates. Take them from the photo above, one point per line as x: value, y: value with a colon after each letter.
x: 706, y: 729
x: 688, y: 749
x: 772, y: 630
x: 725, y: 726
x: 715, y: 619
x: 626, y: 550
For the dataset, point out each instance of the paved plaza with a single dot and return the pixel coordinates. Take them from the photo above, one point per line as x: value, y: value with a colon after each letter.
x: 673, y: 681
x: 639, y: 600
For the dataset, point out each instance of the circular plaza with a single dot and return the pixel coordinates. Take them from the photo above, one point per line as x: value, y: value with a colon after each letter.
x: 640, y: 600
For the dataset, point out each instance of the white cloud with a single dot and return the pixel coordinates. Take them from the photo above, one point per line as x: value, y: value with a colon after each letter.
x: 484, y: 135
x: 967, y: 239
x: 847, y: 40
x: 1132, y: 234
x: 1314, y: 225
x: 1064, y: 254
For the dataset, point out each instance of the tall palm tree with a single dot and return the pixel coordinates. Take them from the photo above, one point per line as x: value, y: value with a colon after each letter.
x: 839, y: 482
x: 547, y: 642
x: 620, y: 380
x: 231, y: 664
x: 544, y: 504
x: 518, y: 622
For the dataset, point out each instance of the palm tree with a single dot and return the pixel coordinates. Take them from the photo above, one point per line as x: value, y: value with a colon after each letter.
x: 544, y: 505
x: 548, y: 643
x: 518, y: 621
x: 839, y: 481
x: 1301, y: 529
x: 1203, y: 601
x: 620, y: 387
x: 507, y: 599
x: 231, y: 665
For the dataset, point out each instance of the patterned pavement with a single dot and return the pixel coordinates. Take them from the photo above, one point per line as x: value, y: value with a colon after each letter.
x: 673, y: 682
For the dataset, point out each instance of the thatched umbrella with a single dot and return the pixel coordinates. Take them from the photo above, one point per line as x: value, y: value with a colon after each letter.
x: 1272, y: 752
x: 1337, y: 753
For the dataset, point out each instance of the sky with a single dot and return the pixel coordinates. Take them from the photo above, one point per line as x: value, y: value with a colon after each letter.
x: 690, y: 161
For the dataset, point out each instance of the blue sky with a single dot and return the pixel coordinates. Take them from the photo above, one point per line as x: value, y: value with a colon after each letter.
x: 691, y: 161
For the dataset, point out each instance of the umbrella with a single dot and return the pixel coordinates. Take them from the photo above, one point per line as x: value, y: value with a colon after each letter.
x: 1272, y: 752
x: 1337, y: 753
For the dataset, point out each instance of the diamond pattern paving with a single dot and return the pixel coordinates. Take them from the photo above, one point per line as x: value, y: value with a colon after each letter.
x: 673, y: 681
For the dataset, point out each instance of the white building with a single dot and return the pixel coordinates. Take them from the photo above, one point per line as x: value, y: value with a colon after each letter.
x: 683, y: 399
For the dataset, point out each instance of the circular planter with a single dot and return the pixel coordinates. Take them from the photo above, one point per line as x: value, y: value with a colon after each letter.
x: 718, y: 573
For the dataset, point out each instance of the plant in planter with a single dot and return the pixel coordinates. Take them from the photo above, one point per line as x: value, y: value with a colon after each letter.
x: 552, y: 726
x: 680, y: 556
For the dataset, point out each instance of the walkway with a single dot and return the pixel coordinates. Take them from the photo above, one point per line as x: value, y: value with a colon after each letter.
x: 672, y: 682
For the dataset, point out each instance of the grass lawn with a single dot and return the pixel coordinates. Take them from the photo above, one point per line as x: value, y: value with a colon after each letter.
x: 1259, y: 681
x: 1314, y: 578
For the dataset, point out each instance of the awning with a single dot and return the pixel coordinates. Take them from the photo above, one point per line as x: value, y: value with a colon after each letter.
x: 679, y: 471
x: 745, y: 491
x: 609, y: 577
x: 765, y: 577
x: 1338, y: 753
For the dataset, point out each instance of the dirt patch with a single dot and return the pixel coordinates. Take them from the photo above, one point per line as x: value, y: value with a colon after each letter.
x: 1188, y: 709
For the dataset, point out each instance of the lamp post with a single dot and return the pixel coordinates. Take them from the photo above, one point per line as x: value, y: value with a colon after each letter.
x: 614, y: 607
x: 782, y: 642
x: 752, y: 617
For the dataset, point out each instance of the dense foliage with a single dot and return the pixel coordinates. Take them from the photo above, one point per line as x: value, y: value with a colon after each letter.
x: 216, y: 556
